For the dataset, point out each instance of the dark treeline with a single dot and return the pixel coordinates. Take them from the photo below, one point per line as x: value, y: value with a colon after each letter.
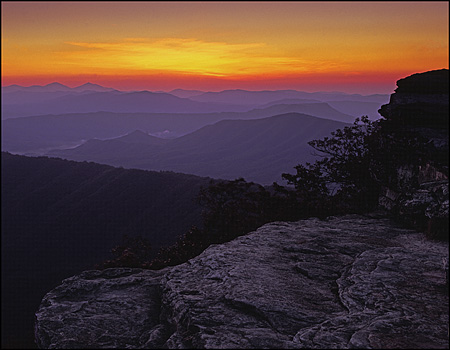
x: 61, y: 217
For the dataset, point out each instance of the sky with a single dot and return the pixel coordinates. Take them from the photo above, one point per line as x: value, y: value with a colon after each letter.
x: 355, y: 47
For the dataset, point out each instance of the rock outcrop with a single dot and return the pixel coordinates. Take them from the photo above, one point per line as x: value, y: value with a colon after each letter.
x: 421, y: 100
x: 420, y: 192
x: 345, y: 282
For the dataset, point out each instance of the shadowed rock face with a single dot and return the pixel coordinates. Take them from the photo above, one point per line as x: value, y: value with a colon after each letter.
x: 347, y: 282
x: 421, y: 104
x: 420, y: 100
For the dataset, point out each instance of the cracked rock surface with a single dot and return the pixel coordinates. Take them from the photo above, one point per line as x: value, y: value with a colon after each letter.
x: 346, y: 282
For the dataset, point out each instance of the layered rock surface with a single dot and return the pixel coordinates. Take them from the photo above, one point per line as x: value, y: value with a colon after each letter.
x: 346, y: 282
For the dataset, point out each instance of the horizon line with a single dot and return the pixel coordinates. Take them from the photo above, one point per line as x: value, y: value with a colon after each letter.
x: 193, y: 89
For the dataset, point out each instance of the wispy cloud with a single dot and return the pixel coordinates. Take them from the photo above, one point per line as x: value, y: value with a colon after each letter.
x: 190, y: 56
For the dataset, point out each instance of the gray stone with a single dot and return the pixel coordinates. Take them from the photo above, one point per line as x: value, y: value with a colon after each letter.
x: 346, y: 282
x: 116, y: 308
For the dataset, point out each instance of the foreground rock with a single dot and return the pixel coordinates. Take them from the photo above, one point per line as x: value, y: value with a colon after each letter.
x: 347, y: 282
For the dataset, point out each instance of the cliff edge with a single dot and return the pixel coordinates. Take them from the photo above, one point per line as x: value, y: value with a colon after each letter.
x: 345, y: 282
x: 417, y: 118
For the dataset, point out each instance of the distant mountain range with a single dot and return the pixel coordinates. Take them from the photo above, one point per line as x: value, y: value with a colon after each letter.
x: 358, y: 108
x: 245, y: 97
x: 23, y: 104
x: 352, y: 108
x: 259, y: 150
x: 36, y: 94
x: 56, y: 98
x: 37, y: 135
x: 58, y: 120
x: 79, y: 123
x: 55, y: 87
x: 185, y: 93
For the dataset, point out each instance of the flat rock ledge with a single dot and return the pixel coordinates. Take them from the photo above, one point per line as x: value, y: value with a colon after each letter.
x: 345, y: 282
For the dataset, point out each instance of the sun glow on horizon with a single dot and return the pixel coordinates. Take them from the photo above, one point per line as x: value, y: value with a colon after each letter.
x: 265, y: 45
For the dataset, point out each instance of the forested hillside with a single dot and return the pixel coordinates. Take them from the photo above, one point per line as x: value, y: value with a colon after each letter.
x: 60, y: 217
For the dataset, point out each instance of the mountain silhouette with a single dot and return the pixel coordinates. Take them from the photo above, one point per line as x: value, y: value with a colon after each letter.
x: 316, y: 109
x: 358, y: 108
x: 52, y: 87
x: 259, y: 150
x: 37, y: 135
x: 290, y: 101
x: 141, y: 137
x: 186, y: 93
x: 245, y: 97
x: 111, y: 101
x: 15, y: 98
x: 92, y: 87
x: 56, y: 98
x: 55, y: 87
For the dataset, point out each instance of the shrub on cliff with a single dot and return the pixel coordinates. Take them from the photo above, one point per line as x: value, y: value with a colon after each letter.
x: 186, y: 247
x: 393, y: 146
x: 131, y: 252
x: 343, y: 180
x: 233, y: 208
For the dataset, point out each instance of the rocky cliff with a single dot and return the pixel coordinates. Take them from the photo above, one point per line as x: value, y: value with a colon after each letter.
x: 421, y: 99
x: 345, y: 282
x: 419, y: 110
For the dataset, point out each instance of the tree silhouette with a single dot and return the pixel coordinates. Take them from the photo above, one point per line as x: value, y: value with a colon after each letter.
x: 131, y: 252
x: 345, y: 171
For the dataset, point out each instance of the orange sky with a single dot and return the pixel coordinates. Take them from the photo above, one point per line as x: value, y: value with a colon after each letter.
x: 312, y: 46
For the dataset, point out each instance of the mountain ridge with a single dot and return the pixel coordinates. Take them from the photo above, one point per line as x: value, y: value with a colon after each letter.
x: 55, y: 86
x: 114, y: 101
x: 259, y: 150
x: 61, y: 217
x: 32, y: 135
x: 19, y: 101
x: 247, y: 97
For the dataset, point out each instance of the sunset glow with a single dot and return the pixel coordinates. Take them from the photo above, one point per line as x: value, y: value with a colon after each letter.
x: 349, y: 46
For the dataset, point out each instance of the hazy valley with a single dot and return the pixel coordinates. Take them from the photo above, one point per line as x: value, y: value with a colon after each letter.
x: 56, y: 120
x: 258, y: 150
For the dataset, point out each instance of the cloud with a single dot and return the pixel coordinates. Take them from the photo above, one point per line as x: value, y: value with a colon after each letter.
x: 189, y: 56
